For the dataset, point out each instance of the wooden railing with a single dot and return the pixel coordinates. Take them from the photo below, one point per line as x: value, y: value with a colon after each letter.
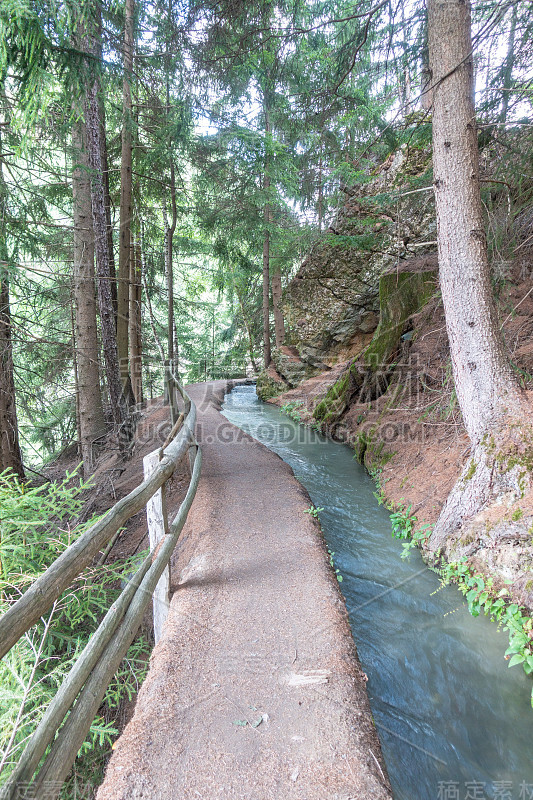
x: 67, y: 719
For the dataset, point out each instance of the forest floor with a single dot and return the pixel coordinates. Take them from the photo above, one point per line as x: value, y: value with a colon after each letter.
x: 412, y: 437
x: 255, y: 688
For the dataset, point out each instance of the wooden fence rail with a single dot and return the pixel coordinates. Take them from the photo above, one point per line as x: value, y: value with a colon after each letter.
x: 83, y: 689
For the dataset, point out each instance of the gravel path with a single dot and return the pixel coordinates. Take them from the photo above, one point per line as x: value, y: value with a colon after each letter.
x: 254, y: 690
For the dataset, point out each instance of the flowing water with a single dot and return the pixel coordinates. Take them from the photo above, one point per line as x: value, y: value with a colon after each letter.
x: 454, y: 722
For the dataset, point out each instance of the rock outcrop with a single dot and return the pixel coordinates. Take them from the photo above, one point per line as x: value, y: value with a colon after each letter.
x: 332, y: 304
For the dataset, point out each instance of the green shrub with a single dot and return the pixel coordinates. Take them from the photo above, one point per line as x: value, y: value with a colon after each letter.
x: 36, y: 525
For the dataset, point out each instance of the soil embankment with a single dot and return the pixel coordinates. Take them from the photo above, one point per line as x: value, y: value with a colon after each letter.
x: 254, y: 690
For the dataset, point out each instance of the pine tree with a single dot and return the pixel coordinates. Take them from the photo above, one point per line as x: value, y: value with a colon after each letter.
x: 90, y: 412
x: 487, y: 390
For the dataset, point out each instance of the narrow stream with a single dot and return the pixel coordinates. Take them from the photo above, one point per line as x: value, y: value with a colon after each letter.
x: 454, y: 722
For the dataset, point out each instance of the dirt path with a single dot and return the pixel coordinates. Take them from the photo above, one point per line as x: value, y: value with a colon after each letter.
x: 254, y: 690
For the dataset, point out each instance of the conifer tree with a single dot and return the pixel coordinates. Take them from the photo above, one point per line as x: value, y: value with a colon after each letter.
x: 491, y: 401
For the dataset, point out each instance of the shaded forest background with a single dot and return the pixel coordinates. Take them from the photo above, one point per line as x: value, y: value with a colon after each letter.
x: 165, y: 168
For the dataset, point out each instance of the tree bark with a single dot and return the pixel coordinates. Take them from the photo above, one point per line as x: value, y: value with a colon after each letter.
x: 320, y: 184
x: 125, y: 198
x: 487, y: 391
x: 135, y: 323
x: 107, y: 203
x: 279, y: 322
x: 170, y: 229
x: 91, y: 415
x: 426, y: 99
x: 169, y: 248
x: 483, y: 376
x: 105, y: 303
x: 10, y: 452
x: 266, y: 244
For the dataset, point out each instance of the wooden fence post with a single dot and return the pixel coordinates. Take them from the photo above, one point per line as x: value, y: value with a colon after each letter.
x: 157, y: 518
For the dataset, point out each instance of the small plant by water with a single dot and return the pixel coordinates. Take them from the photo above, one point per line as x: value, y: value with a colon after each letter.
x: 332, y: 564
x: 292, y: 410
x: 482, y: 596
x: 405, y: 527
x: 313, y: 512
x: 480, y: 593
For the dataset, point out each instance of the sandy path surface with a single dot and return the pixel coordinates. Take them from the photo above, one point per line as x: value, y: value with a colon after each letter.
x: 254, y: 690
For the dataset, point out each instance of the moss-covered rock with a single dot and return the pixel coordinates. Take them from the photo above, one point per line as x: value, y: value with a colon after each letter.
x: 338, y: 397
x: 400, y: 296
x: 269, y: 384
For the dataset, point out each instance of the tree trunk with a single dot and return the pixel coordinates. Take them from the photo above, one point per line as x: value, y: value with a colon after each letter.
x: 404, y: 77
x: 125, y: 246
x: 279, y: 322
x: 91, y: 415
x: 105, y: 303
x: 75, y: 365
x: 135, y: 324
x: 10, y: 453
x: 320, y: 185
x: 267, y: 358
x: 486, y: 389
x: 107, y: 203
x: 508, y: 66
x: 266, y: 245
x: 169, y: 248
x: 248, y: 331
x: 426, y: 98
x: 170, y: 229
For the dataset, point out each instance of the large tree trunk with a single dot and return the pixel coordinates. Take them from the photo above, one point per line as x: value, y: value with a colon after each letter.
x: 279, y: 322
x: 91, y: 416
x: 266, y: 295
x: 169, y: 268
x: 107, y: 203
x: 10, y: 453
x: 321, y: 184
x: 105, y: 303
x: 170, y: 229
x: 135, y: 323
x: 125, y: 199
x: 266, y: 246
x: 487, y: 392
